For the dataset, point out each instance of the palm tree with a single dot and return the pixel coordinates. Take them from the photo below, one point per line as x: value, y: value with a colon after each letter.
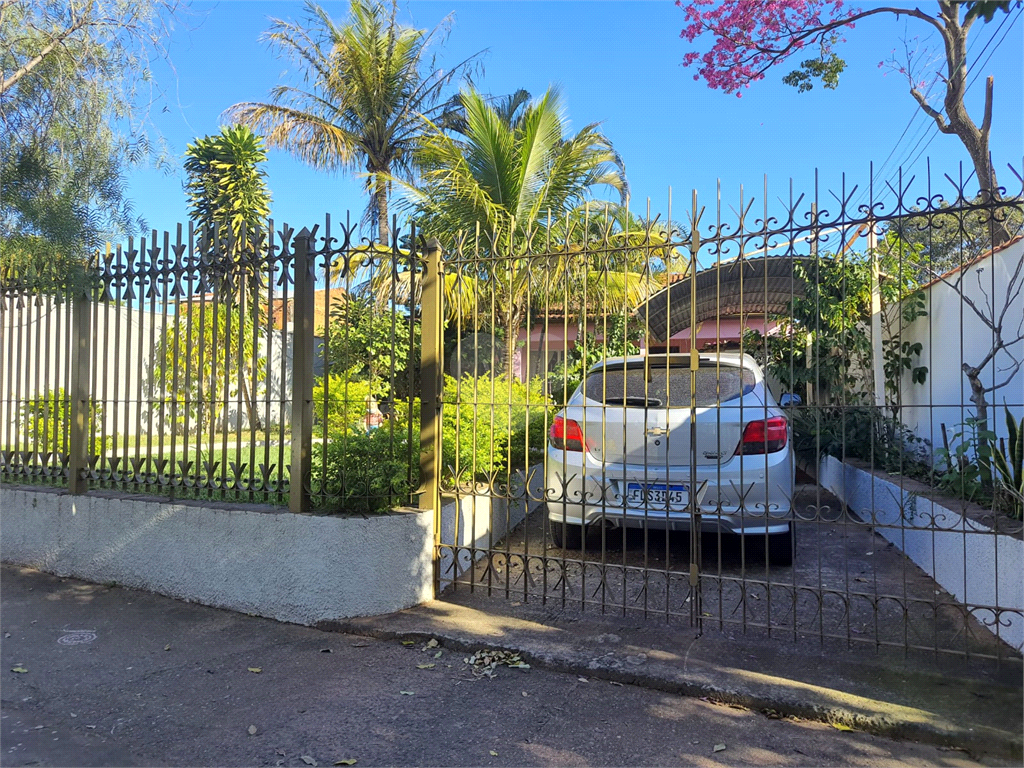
x: 367, y: 87
x: 510, y: 192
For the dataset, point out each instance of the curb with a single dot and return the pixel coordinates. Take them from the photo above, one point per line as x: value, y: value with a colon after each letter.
x: 978, y: 742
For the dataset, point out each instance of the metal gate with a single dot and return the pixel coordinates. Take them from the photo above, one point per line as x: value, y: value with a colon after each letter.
x: 762, y: 418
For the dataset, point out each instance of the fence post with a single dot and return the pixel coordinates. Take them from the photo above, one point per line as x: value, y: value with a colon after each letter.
x: 79, y: 438
x: 432, y: 378
x: 302, y: 376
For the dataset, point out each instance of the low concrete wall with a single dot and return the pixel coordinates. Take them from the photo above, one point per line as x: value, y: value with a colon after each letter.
x: 940, y: 540
x: 258, y: 560
x: 478, y: 522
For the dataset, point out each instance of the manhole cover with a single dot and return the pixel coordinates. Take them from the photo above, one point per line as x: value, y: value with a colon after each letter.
x: 77, y: 637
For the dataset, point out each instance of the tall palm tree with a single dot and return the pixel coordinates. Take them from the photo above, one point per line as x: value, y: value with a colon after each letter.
x: 367, y: 85
x: 503, y: 188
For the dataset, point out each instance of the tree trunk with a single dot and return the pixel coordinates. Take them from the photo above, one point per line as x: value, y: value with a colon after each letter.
x: 254, y: 418
x: 984, y: 455
x: 515, y: 320
x: 974, y: 139
x: 380, y: 193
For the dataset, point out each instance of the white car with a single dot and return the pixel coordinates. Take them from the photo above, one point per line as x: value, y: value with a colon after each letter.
x: 626, y: 452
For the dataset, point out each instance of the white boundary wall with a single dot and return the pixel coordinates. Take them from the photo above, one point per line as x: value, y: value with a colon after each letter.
x: 258, y: 560
x: 969, y: 560
x: 952, y: 334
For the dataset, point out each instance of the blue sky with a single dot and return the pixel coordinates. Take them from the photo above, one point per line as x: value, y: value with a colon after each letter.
x: 617, y: 63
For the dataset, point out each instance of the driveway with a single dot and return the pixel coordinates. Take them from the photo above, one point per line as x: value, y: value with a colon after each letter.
x: 848, y: 586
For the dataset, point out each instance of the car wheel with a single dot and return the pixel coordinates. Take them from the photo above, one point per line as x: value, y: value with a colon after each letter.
x: 567, y: 535
x: 781, y: 547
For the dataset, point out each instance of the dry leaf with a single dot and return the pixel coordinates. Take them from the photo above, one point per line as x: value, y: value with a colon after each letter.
x: 18, y: 669
x: 841, y: 727
x: 432, y: 643
x: 408, y: 693
x: 167, y: 647
x: 252, y: 730
x: 308, y: 760
x: 347, y: 761
x: 493, y: 753
x: 425, y: 666
x: 256, y: 670
x: 719, y: 748
x: 408, y: 642
x: 438, y: 654
x: 583, y: 679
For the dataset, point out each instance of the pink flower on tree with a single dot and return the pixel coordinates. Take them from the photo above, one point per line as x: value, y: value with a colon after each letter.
x: 750, y: 37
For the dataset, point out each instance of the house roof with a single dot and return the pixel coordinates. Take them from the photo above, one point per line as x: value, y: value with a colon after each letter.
x: 975, y: 260
x: 763, y: 285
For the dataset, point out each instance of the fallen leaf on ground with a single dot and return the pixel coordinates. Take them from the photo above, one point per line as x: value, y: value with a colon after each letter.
x: 252, y: 730
x: 408, y: 642
x: 7, y: 634
x: 167, y: 647
x: 493, y: 753
x: 408, y: 693
x: 525, y: 694
x: 346, y: 761
x: 719, y: 748
x: 425, y: 666
x: 308, y: 760
x: 583, y: 679
x: 280, y: 752
x: 438, y: 654
x: 432, y: 643
x: 256, y: 670
x: 18, y: 669
x: 841, y: 727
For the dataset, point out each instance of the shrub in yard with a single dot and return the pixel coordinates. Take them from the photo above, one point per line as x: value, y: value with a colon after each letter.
x: 492, y: 426
x: 46, y: 423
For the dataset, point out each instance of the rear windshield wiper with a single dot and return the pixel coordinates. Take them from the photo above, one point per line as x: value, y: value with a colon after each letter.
x: 636, y: 402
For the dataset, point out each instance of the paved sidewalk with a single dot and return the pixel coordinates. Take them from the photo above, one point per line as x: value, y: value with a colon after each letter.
x: 117, y: 677
x: 944, y: 700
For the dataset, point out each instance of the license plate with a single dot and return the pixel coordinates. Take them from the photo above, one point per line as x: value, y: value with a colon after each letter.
x: 657, y: 495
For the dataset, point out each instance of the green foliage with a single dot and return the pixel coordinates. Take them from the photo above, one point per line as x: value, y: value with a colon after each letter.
x: 206, y: 357
x: 73, y: 75
x: 827, y: 68
x: 367, y: 473
x: 833, y: 320
x: 371, y: 342
x: 959, y: 470
x: 1008, y: 460
x: 46, y: 423
x: 623, y: 338
x: 366, y: 86
x: 226, y: 188
x: 492, y: 426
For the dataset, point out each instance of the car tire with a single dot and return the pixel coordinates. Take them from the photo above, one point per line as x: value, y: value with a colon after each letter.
x: 782, y: 547
x: 567, y: 535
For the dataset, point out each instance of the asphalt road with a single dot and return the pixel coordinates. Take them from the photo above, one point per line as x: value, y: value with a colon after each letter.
x: 98, y: 675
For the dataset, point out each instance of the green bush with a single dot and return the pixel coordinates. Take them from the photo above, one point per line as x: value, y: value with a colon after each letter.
x: 492, y: 426
x: 493, y: 429
x: 46, y: 423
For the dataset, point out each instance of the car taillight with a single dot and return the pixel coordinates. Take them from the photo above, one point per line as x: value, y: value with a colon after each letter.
x: 766, y: 436
x: 566, y: 434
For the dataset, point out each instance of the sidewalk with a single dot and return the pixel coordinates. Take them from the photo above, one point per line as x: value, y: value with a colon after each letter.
x: 118, y: 677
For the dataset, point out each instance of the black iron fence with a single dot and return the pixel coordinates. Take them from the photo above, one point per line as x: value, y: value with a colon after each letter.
x: 830, y: 393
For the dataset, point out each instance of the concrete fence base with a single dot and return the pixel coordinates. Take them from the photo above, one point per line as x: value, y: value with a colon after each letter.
x: 258, y: 560
x: 940, y: 541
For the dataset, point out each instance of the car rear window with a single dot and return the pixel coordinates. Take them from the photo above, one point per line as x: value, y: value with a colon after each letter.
x: 667, y: 387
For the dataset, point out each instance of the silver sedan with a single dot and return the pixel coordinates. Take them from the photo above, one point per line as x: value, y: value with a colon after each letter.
x: 648, y: 442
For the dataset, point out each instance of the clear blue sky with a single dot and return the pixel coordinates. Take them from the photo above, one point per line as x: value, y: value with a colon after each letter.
x: 617, y: 63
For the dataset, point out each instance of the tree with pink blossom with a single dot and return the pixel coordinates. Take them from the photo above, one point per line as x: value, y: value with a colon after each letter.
x: 748, y: 38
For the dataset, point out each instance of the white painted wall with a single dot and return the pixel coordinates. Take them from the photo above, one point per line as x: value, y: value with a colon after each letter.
x: 982, y: 569
x: 472, y: 524
x: 35, y: 358
x: 952, y: 334
x: 257, y: 560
